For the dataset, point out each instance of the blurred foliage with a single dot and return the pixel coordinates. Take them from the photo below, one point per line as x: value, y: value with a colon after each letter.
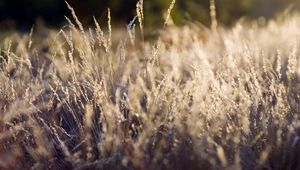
x: 25, y: 12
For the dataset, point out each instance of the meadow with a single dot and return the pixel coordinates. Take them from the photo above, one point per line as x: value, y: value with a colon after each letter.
x: 191, y: 98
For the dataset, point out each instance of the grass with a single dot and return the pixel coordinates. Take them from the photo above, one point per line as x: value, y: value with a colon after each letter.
x: 195, y: 98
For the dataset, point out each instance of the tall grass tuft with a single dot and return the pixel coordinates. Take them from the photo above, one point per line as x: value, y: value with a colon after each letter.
x: 192, y: 99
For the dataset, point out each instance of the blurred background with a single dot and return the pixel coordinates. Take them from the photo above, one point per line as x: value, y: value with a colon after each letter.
x: 22, y: 14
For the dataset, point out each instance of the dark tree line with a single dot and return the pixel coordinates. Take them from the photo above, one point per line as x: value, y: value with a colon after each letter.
x: 24, y: 13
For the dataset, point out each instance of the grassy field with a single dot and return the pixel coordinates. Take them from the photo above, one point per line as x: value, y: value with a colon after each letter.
x: 193, y: 98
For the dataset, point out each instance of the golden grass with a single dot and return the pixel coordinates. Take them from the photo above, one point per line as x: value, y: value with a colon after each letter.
x: 193, y: 99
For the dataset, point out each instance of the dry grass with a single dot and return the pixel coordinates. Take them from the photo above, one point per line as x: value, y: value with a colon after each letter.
x: 194, y: 99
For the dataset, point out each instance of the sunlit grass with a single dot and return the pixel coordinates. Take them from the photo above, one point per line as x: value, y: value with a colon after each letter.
x: 195, y: 98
